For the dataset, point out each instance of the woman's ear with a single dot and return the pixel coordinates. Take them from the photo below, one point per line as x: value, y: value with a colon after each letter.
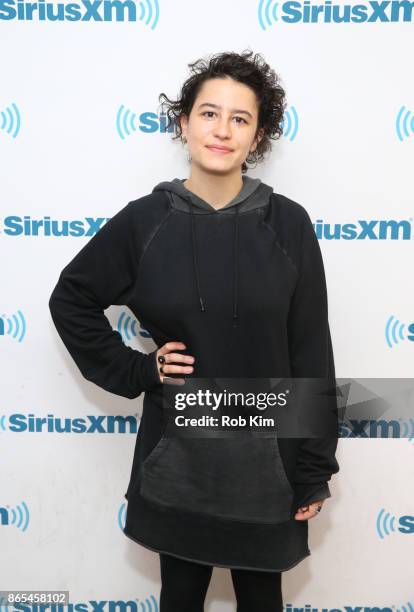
x: 183, y: 123
x: 256, y: 141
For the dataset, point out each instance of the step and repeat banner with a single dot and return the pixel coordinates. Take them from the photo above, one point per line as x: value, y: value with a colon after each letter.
x: 81, y: 134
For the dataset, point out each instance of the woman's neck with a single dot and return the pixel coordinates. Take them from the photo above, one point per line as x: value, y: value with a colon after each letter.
x: 216, y: 190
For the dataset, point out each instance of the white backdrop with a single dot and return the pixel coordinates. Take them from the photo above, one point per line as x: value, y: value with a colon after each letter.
x: 347, y: 155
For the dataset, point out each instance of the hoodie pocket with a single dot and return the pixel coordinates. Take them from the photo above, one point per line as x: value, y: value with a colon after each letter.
x: 236, y: 478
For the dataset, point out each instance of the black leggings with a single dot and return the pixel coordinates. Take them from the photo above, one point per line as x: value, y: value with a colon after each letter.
x: 184, y: 587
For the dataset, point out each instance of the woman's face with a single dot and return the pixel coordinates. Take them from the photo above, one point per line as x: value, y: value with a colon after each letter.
x: 225, y: 114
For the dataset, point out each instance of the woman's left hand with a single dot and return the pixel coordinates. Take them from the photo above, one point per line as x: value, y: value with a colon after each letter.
x: 307, y: 512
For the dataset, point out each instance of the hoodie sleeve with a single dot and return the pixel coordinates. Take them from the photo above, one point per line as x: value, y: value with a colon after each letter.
x: 103, y: 273
x: 311, y: 356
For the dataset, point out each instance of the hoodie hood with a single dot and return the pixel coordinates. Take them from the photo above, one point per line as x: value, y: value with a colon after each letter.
x: 253, y: 194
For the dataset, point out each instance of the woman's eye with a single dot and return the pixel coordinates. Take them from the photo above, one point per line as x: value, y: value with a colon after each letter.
x: 213, y: 113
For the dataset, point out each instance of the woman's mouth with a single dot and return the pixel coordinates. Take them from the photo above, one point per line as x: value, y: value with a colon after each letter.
x: 219, y: 149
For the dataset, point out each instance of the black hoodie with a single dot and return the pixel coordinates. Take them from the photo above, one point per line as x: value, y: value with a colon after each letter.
x: 243, y: 286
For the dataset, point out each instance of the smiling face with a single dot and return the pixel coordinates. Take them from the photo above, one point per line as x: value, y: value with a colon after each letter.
x: 221, y: 128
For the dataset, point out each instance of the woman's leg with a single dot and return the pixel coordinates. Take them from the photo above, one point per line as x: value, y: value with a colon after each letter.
x: 183, y: 584
x: 256, y: 590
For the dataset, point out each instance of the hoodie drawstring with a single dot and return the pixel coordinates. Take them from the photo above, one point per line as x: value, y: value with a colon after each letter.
x: 193, y: 230
x: 235, y: 260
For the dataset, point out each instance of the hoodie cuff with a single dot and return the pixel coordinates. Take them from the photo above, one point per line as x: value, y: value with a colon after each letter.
x: 306, y: 494
x: 150, y: 371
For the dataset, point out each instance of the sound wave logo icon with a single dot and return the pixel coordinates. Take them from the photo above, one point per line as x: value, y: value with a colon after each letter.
x: 404, y: 124
x: 407, y: 429
x: 292, y: 123
x: 3, y: 426
x: 395, y: 331
x: 10, y: 120
x: 267, y: 13
x: 385, y: 523
x: 16, y: 326
x: 150, y: 604
x: 408, y: 608
x: 18, y: 516
x: 122, y: 516
x: 150, y: 11
x: 125, y: 122
x: 127, y: 327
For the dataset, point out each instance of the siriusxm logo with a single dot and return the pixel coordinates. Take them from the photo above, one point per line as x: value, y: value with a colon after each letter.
x: 15, y: 225
x: 148, y: 122
x: 408, y: 607
x: 13, y: 326
x: 270, y: 12
x: 395, y: 331
x: 121, y: 518
x: 391, y: 229
x: 149, y: 604
x: 85, y: 10
x: 290, y: 123
x: 127, y: 327
x: 404, y: 124
x: 364, y: 230
x: 89, y: 424
x: 18, y: 516
x: 386, y: 524
x: 377, y: 428
x: 10, y: 120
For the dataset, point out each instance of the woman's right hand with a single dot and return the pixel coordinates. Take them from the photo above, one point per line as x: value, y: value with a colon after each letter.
x: 170, y: 366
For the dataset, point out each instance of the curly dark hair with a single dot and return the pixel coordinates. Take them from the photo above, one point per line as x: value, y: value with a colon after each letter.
x: 245, y: 67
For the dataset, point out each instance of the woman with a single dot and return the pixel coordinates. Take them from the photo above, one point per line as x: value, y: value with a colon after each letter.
x: 227, y: 276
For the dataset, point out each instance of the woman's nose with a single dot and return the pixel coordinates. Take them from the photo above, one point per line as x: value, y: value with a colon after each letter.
x: 222, y: 129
